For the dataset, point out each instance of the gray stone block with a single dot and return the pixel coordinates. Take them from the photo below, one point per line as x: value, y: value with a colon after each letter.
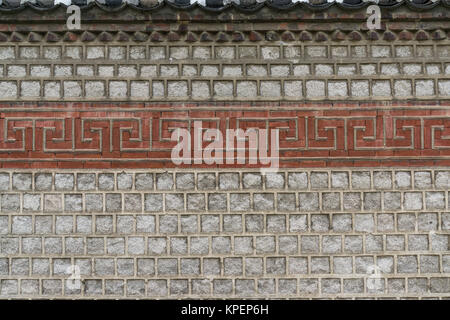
x: 364, y: 222
x: 144, y: 181
x: 361, y: 180
x: 372, y: 201
x: 308, y: 201
x: 185, y: 181
x: 385, y: 222
x: 114, y: 287
x: 297, y: 180
x: 252, y: 181
x: 288, y: 245
x: 178, y: 245
x: 132, y: 202
x: 86, y: 181
x: 435, y: 200
x: 51, y: 287
x: 353, y: 244
x: 232, y: 223
x: 287, y: 286
x: 286, y: 202
x: 331, y: 201
x: 427, y: 221
x: 239, y: 201
x: 275, y: 265
x: 64, y: 224
x: 10, y: 202
x: 136, y: 245
x: 331, y: 244
x: 298, y: 223
x: 221, y: 245
x: 320, y: 223
x: 429, y: 264
x: 106, y: 181
x: 104, y: 224
x: 395, y: 242
x: 31, y: 202
x: 374, y: 243
x: 407, y: 264
x: 442, y: 179
x: 113, y: 202
x: 22, y: 225
x: 341, y: 222
x: 229, y: 181
x: 232, y: 266
x: 153, y: 202
x: 275, y: 181
x: 124, y: 181
x: 330, y: 286
x: 164, y: 181
x: 210, y: 223
x: 157, y: 287
x: 211, y: 266
x: 22, y: 181
x: 64, y: 181
x: 145, y: 267
x: 382, y: 180
x: 243, y: 245
x: 319, y: 180
x: 4, y: 181
x: 206, y: 181
x: 201, y: 286
x: 84, y: 224
x: 157, y: 246
x: 253, y: 266
x: 339, y: 180
x: 222, y: 286
x: 168, y: 224
x: 422, y: 179
x: 310, y: 244
x: 402, y: 179
x: 276, y: 223
x: 217, y: 201
x: 353, y: 286
x: 174, y: 202
x: 352, y: 201
x: 189, y: 224
x: 73, y: 202
x: 196, y: 202
x: 412, y: 201
x: 93, y: 202
x: 392, y: 200
x: 343, y: 265
x: 263, y: 201
x: 93, y: 287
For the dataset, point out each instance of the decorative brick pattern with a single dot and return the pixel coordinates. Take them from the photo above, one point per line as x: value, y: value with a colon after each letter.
x: 97, y: 136
x: 159, y: 234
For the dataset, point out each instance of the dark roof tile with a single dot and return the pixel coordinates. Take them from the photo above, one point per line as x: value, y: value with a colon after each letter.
x: 219, y: 6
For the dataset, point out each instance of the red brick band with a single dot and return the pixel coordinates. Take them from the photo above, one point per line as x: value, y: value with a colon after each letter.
x: 97, y: 137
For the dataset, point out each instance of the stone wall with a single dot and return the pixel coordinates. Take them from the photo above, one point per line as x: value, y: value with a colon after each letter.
x: 266, y: 71
x: 296, y: 234
x: 359, y: 209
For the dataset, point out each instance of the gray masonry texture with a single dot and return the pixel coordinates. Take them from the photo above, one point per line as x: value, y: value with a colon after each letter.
x: 325, y: 233
x: 332, y: 71
x: 360, y: 233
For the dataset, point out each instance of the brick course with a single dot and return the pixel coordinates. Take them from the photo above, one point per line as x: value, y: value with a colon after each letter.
x: 239, y: 72
x: 311, y: 135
